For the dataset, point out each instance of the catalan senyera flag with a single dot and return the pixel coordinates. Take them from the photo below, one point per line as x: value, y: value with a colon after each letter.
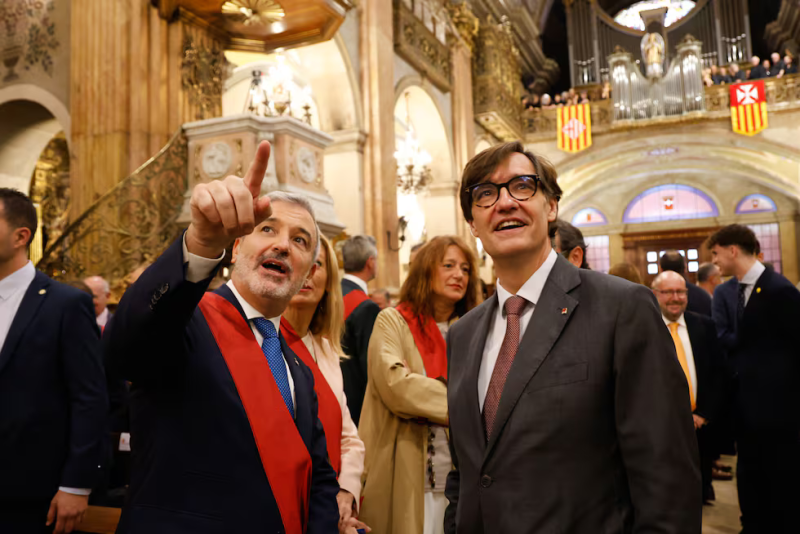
x: 574, y: 127
x: 748, y: 107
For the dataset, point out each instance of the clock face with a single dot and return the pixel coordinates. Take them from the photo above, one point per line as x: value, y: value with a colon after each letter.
x: 217, y: 160
x: 306, y: 163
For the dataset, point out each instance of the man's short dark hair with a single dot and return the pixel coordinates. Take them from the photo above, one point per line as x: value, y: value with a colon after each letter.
x: 18, y: 211
x: 481, y: 166
x: 735, y: 234
x: 570, y: 237
x: 672, y: 260
x: 704, y: 272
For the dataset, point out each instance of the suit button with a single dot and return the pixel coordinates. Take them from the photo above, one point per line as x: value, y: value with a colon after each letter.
x: 486, y: 481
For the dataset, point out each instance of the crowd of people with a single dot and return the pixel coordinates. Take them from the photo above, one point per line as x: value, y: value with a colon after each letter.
x: 565, y: 98
x: 776, y: 68
x: 288, y: 400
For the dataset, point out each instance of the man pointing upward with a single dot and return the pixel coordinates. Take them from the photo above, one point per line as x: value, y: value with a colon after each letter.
x: 224, y: 425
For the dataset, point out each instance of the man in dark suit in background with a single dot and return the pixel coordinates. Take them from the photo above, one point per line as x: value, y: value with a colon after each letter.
x: 766, y: 362
x: 708, y: 278
x: 568, y: 241
x: 699, y: 300
x: 758, y: 70
x: 52, y: 389
x: 568, y: 409
x: 360, y: 266
x: 224, y: 426
x: 702, y: 361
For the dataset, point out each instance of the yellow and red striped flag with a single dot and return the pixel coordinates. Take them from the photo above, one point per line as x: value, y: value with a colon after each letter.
x: 574, y: 127
x: 748, y: 107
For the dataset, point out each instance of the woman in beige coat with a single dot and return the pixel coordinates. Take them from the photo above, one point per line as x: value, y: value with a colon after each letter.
x: 312, y: 326
x: 404, y: 418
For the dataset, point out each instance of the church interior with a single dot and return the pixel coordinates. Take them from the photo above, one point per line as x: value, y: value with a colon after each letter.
x: 111, y: 111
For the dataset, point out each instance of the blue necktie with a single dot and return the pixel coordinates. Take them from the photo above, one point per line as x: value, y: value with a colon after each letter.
x: 271, y: 347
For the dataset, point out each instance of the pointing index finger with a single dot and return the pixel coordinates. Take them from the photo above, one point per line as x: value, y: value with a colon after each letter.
x: 255, y: 175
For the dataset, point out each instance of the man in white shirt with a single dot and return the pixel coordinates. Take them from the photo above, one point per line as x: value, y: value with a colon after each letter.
x: 568, y: 409
x: 701, y: 359
x: 756, y: 316
x: 53, y: 400
x: 224, y: 425
x: 101, y: 292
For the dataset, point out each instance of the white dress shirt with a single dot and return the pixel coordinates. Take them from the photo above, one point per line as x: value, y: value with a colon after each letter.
x: 531, y: 290
x: 751, y: 278
x: 358, y: 281
x: 199, y: 268
x: 683, y: 335
x: 102, y: 319
x: 12, y: 290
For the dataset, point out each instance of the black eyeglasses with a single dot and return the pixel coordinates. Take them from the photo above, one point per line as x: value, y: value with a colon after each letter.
x: 485, y: 194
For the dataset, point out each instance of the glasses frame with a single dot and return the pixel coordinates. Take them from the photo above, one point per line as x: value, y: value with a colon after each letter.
x: 499, y: 187
x: 674, y: 292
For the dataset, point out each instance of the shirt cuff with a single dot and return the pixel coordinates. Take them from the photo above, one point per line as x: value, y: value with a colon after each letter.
x: 75, y: 491
x: 197, y: 267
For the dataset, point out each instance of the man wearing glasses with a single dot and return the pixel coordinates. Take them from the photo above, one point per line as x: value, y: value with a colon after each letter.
x: 569, y: 411
x: 701, y: 359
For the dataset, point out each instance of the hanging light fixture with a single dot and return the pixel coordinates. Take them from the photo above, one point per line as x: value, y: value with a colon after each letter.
x: 413, y: 171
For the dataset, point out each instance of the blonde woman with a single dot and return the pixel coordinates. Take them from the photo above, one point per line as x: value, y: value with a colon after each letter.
x: 312, y: 326
x: 404, y: 419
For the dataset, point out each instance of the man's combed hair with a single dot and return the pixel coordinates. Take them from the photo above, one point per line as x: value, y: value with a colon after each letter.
x: 672, y: 260
x: 303, y: 202
x: 18, y: 211
x: 704, y: 272
x: 356, y: 251
x: 735, y: 234
x: 570, y: 237
x: 481, y: 167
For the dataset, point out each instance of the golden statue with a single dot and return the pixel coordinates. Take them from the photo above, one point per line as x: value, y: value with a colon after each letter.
x: 653, y: 53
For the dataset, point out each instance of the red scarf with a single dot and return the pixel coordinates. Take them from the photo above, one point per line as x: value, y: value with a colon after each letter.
x: 283, y: 453
x: 429, y: 341
x: 352, y: 300
x: 330, y: 411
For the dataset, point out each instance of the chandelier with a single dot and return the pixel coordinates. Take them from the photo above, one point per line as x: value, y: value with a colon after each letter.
x: 413, y: 172
x: 253, y: 12
x: 272, y: 95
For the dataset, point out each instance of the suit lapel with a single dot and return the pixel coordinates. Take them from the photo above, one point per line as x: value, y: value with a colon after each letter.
x: 550, y: 316
x: 34, y: 297
x: 474, y: 351
x: 695, y: 329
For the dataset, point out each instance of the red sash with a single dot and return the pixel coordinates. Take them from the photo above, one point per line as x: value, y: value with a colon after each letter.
x: 352, y: 300
x: 284, y: 455
x: 429, y: 341
x: 330, y: 411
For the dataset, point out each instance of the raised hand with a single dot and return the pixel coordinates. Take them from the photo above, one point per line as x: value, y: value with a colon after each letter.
x: 223, y: 210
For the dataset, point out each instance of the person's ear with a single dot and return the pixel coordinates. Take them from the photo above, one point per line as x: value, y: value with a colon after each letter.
x: 235, y: 251
x: 552, y: 209
x: 576, y: 257
x: 21, y: 237
x: 472, y: 228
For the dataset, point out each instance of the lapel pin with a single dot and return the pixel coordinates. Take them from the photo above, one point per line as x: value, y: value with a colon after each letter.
x: 563, y: 311
x: 42, y: 291
x: 296, y: 362
x: 758, y: 290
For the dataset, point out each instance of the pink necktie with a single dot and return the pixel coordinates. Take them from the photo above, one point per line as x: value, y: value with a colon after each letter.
x: 513, y: 307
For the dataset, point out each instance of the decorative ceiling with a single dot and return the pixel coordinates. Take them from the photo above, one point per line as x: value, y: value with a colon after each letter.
x: 265, y: 25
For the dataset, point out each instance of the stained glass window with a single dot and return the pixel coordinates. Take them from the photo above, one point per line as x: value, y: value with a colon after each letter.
x: 755, y: 204
x: 670, y: 202
x: 589, y: 217
x: 677, y: 9
x: 769, y: 238
x: 597, y: 254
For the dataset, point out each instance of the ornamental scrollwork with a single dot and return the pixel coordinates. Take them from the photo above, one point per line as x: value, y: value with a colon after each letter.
x: 202, y: 77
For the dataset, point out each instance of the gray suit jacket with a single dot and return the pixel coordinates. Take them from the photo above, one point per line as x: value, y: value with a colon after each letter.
x: 594, y: 429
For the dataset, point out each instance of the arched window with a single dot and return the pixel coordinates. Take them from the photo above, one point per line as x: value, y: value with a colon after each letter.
x: 589, y: 217
x: 670, y: 202
x: 755, y: 204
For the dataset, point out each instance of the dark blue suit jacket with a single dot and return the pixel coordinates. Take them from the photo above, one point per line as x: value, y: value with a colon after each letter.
x: 53, y: 401
x: 724, y: 312
x: 195, y: 465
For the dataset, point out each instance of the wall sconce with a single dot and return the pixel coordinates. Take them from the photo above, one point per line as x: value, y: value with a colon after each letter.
x: 401, y: 235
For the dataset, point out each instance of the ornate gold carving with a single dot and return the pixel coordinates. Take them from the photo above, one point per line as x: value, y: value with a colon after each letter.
x: 50, y: 188
x: 128, y: 227
x: 253, y: 12
x: 202, y: 72
x: 783, y: 91
x: 465, y: 21
x: 496, y: 76
x: 541, y: 123
x: 419, y: 46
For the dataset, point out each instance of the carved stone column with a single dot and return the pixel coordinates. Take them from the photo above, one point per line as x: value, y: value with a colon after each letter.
x: 380, y: 178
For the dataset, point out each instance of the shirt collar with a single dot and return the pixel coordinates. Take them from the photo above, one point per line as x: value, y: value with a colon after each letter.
x: 16, y: 281
x: 531, y: 290
x: 753, y: 274
x: 249, y: 311
x: 358, y: 281
x: 681, y: 320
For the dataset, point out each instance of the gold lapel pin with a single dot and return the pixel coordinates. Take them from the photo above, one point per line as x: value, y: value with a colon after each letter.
x: 42, y: 291
x: 758, y: 290
x: 296, y: 362
x: 563, y: 311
